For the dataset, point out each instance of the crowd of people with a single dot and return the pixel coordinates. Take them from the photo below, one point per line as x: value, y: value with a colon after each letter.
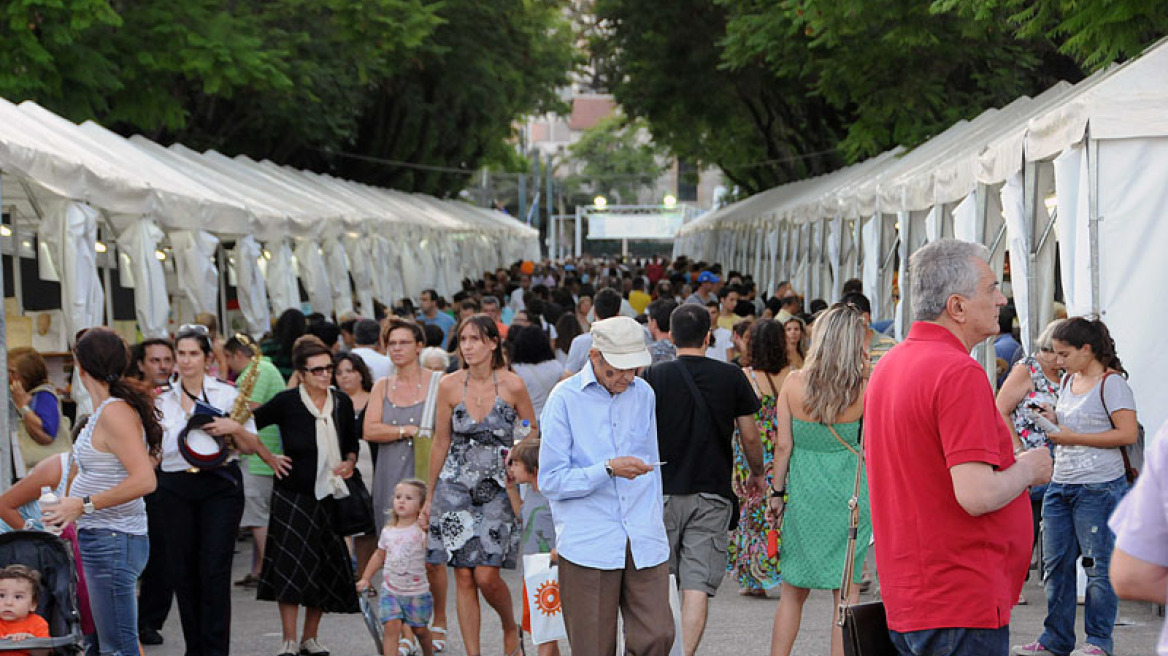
x: 649, y: 423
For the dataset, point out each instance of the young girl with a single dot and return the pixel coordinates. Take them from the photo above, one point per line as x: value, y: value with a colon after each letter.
x: 539, y: 531
x: 405, y: 591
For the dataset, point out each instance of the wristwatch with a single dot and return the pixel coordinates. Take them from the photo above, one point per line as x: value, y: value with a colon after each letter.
x: 778, y: 494
x: 608, y: 469
x: 87, y: 505
x: 23, y: 410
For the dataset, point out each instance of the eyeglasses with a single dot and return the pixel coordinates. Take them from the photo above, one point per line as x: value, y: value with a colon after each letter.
x: 316, y: 371
x: 196, y: 328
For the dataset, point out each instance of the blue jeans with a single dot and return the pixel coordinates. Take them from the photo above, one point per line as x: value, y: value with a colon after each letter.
x: 1074, y: 523
x: 113, y: 561
x: 953, y: 642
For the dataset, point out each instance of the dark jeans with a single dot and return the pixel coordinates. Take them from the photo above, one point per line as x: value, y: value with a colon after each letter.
x: 155, y: 593
x: 202, y: 513
x: 953, y: 642
x: 1074, y: 523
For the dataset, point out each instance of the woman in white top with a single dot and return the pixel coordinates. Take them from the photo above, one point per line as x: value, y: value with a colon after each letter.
x: 1096, y: 417
x: 202, y: 506
x: 114, y: 472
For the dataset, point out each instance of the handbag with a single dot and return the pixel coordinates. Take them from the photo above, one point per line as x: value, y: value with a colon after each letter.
x: 352, y: 515
x: 865, y: 626
x: 425, y: 438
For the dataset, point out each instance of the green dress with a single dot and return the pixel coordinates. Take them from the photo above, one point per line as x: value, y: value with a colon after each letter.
x: 820, y: 481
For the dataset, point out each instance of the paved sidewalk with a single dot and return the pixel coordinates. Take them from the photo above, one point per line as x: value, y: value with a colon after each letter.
x: 738, y: 626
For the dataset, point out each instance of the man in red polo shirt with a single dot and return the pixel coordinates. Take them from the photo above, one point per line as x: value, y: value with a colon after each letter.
x: 950, y: 514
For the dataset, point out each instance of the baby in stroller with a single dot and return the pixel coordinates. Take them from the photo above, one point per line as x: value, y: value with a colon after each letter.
x: 19, y: 589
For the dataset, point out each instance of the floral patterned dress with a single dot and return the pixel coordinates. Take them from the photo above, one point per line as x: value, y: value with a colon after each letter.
x: 1042, y: 390
x: 748, y: 559
x: 472, y: 521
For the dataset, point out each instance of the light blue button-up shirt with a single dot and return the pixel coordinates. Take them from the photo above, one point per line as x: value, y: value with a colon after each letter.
x: 596, y: 516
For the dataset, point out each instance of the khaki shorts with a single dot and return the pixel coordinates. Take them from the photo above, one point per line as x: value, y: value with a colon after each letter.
x: 257, y: 499
x: 698, y: 527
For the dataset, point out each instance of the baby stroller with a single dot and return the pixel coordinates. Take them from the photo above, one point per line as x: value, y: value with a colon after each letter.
x: 53, y: 558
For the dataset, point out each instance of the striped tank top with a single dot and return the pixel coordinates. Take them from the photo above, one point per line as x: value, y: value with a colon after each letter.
x: 98, y: 472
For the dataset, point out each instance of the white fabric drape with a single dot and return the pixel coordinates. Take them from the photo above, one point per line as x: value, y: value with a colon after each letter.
x: 1070, y: 171
x: 67, y: 234
x: 250, y: 285
x: 835, y: 258
x: 965, y: 219
x: 383, y: 268
x: 283, y: 290
x: 139, y: 243
x: 195, y: 271
x: 337, y: 263
x: 1019, y: 239
x: 311, y: 267
x: 359, y: 250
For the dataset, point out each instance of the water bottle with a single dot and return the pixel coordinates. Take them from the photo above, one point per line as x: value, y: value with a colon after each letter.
x: 48, y: 502
x: 523, y: 430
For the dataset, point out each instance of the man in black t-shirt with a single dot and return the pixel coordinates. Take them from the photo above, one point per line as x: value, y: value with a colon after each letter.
x: 699, y: 403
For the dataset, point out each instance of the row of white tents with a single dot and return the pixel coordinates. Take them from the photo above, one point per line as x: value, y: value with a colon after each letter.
x: 174, y: 222
x: 1081, y: 170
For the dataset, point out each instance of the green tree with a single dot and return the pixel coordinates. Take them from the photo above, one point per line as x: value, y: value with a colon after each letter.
x: 616, y: 159
x: 664, y: 62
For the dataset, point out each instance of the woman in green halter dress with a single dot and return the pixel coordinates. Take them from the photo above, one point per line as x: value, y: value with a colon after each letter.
x: 817, y: 447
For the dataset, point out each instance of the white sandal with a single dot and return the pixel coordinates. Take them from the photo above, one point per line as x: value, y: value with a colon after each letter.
x: 408, y: 647
x: 439, y: 643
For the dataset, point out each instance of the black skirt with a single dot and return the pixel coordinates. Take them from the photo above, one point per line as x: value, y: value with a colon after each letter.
x: 305, y: 563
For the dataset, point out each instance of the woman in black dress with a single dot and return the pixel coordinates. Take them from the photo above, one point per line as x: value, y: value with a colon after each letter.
x: 305, y: 562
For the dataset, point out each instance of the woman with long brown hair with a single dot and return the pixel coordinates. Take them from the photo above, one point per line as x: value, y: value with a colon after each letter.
x: 817, y: 450
x: 113, y: 454
x: 757, y: 570
x: 469, y: 506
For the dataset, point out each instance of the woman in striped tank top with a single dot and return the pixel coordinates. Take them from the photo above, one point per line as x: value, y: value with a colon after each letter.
x: 113, y: 455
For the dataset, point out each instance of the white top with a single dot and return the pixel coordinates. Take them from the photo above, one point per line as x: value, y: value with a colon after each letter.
x: 380, y: 366
x: 405, y: 560
x: 539, y: 379
x: 98, y: 471
x: 723, y: 341
x: 218, y: 393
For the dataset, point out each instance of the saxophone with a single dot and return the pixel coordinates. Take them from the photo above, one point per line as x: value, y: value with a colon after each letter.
x: 240, y: 411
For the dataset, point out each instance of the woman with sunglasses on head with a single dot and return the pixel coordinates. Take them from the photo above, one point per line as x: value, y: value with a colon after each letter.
x: 392, y: 422
x: 202, y: 506
x: 469, y: 503
x: 306, y: 563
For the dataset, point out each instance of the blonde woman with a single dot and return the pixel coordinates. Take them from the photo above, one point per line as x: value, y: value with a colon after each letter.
x: 817, y: 443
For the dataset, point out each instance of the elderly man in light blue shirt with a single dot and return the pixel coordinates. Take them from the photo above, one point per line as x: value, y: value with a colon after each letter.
x: 599, y: 468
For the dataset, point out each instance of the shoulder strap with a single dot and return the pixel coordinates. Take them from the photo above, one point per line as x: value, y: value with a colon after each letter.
x: 1103, y: 397
x: 853, y: 531
x: 703, y: 408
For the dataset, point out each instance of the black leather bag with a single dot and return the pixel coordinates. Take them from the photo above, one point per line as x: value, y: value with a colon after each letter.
x: 865, y: 630
x: 865, y: 627
x: 353, y: 515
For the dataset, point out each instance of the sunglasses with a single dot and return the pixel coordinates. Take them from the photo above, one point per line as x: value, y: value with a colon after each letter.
x: 316, y: 371
x: 197, y: 328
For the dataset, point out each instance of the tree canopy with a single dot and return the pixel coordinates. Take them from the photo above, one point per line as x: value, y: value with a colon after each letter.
x: 776, y: 90
x: 431, y: 82
x: 616, y: 159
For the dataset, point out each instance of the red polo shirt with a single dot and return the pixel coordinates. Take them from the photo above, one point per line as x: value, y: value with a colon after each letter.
x: 929, y: 406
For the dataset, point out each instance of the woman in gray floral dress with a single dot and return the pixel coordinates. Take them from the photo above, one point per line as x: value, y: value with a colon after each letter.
x: 472, y: 525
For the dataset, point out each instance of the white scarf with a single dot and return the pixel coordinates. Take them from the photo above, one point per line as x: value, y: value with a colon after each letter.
x: 328, y: 451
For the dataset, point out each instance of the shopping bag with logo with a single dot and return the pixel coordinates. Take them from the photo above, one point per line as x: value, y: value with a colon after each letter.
x: 543, y: 599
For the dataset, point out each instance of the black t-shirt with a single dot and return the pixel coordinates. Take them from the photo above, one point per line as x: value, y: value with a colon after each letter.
x: 298, y: 434
x: 697, y: 459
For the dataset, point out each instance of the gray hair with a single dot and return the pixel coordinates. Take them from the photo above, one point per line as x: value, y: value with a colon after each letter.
x: 1046, y: 337
x: 941, y: 269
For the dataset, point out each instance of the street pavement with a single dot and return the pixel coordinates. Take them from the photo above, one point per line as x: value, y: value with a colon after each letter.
x: 738, y: 626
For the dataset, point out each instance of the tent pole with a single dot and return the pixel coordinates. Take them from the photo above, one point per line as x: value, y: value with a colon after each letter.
x: 982, y: 353
x: 221, y: 256
x: 579, y: 230
x: 1093, y: 219
x: 107, y: 280
x: 5, y: 441
x: 1030, y: 202
x: 17, y: 274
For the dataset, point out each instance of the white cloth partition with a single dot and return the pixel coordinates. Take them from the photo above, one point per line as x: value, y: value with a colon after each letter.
x: 384, y: 262
x: 250, y: 287
x: 68, y: 233
x: 139, y: 243
x: 310, y: 266
x: 1071, y: 179
x: 1013, y: 211
x: 195, y: 272
x: 359, y: 250
x: 965, y: 219
x: 337, y: 264
x: 283, y: 290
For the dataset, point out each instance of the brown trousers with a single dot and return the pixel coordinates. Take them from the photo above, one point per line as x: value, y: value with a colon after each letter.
x: 591, y: 598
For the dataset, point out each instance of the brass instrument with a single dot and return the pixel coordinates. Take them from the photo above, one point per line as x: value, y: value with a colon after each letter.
x: 240, y: 410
